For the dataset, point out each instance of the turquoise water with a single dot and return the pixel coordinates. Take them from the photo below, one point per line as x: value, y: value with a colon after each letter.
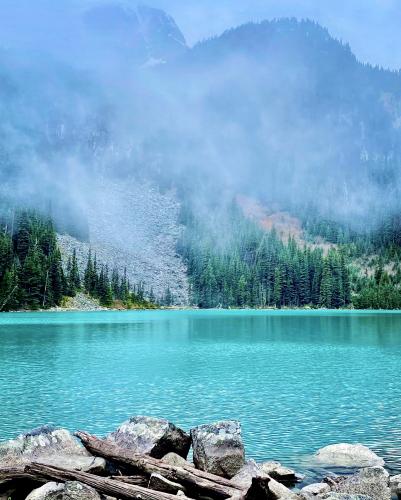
x: 297, y: 380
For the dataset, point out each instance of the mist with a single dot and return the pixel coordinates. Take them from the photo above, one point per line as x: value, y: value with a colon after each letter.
x: 279, y: 111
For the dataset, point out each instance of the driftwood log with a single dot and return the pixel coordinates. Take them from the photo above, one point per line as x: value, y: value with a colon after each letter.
x: 103, y: 485
x: 194, y: 480
x: 17, y: 473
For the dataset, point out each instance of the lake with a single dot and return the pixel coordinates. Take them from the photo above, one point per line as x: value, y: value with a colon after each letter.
x: 297, y: 380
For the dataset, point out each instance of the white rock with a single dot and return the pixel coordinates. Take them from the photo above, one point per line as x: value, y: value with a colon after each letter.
x: 348, y: 455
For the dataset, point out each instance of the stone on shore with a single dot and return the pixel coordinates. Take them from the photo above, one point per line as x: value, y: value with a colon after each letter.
x: 159, y: 483
x: 175, y: 460
x: 151, y: 436
x: 71, y: 490
x: 315, y: 489
x: 348, y: 455
x: 371, y: 481
x: 395, y: 485
x: 50, y: 446
x: 218, y: 448
x: 280, y: 473
x: 251, y: 470
x: 344, y: 496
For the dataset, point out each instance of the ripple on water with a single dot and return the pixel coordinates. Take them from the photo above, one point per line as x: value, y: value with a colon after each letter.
x: 296, y: 381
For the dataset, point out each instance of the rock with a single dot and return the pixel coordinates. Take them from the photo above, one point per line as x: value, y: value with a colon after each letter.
x: 71, y: 490
x: 44, y: 443
x: 48, y: 491
x: 395, y: 485
x: 280, y: 473
x: 160, y: 483
x: 279, y: 491
x: 218, y: 448
x: 250, y: 470
x: 315, y: 489
x: 344, y: 496
x: 151, y: 436
x: 371, y: 481
x: 175, y: 460
x: 348, y: 455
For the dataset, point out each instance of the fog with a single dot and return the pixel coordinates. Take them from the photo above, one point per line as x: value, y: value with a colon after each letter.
x: 278, y: 111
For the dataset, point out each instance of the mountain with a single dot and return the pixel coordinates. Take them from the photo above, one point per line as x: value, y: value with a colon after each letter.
x: 295, y: 111
x: 142, y: 34
x: 116, y: 130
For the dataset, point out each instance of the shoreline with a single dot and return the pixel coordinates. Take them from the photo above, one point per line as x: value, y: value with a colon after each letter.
x: 159, y: 454
x: 194, y: 308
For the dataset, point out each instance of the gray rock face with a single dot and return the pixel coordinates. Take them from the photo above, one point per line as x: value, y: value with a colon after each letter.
x: 43, y: 444
x: 159, y: 483
x: 348, y: 455
x: 315, y: 489
x: 218, y: 448
x: 395, y: 485
x: 71, y: 490
x: 151, y: 436
x: 371, y: 481
x: 175, y: 460
x: 134, y: 226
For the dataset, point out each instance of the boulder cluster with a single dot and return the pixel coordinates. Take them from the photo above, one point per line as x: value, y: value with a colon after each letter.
x: 147, y: 458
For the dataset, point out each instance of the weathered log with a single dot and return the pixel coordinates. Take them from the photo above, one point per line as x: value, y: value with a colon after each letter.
x: 16, y: 473
x: 191, y: 478
x: 137, y: 480
x: 103, y: 485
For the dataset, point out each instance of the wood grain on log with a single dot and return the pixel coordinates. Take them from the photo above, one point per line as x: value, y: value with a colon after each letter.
x: 103, y: 485
x: 16, y: 473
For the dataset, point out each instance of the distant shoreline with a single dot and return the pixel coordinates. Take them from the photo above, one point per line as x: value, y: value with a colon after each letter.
x: 189, y: 308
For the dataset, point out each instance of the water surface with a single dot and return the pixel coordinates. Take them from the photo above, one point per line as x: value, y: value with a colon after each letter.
x: 297, y: 380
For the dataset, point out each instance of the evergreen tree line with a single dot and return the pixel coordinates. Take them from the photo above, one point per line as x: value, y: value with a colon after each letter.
x: 255, y: 268
x: 32, y: 274
x: 107, y: 287
x: 31, y: 271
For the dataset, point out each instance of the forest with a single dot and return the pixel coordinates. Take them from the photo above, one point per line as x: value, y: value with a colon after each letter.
x: 32, y: 275
x: 231, y: 261
x: 255, y: 268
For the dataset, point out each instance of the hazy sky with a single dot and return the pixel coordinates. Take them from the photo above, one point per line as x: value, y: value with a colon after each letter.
x: 372, y: 27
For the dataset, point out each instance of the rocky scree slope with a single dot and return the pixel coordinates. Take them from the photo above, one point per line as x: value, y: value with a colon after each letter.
x: 134, y: 226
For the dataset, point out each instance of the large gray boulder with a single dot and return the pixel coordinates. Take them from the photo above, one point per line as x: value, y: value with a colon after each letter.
x: 51, y: 446
x: 151, y: 436
x: 218, y: 448
x: 348, y: 455
x: 71, y: 490
x: 371, y: 481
